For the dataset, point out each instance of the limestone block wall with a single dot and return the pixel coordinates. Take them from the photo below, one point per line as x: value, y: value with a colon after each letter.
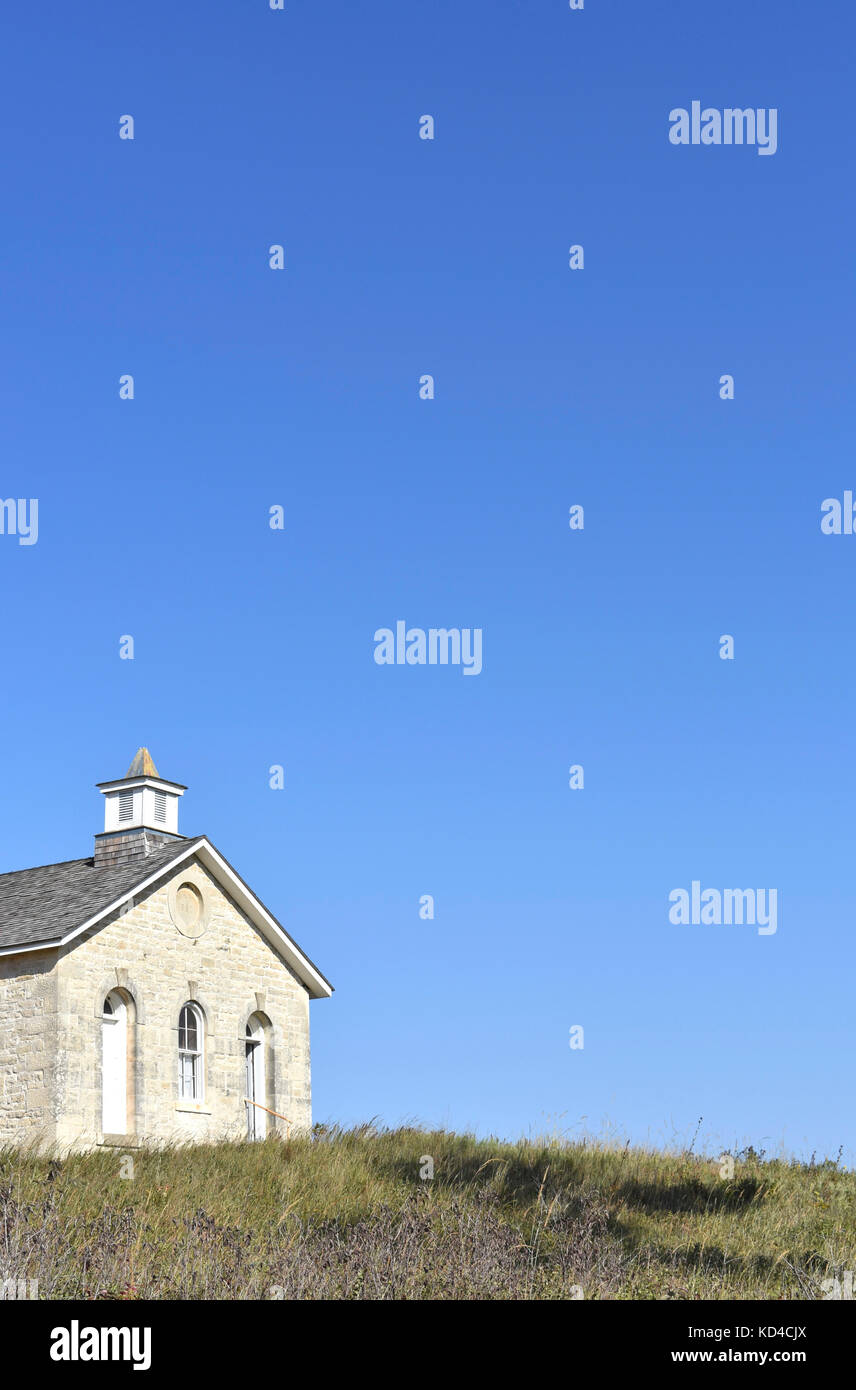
x: 28, y: 1047
x: 159, y: 961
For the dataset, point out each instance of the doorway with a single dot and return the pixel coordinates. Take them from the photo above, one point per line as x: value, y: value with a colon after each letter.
x: 114, y: 1065
x: 256, y: 1090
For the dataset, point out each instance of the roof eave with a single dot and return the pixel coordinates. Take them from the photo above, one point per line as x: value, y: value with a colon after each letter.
x: 140, y: 780
x: 317, y: 986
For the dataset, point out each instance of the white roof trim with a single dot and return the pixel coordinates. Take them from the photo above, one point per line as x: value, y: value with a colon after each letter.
x: 318, y: 987
x: 130, y: 783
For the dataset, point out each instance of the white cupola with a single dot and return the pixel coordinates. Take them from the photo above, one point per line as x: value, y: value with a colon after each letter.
x: 139, y: 809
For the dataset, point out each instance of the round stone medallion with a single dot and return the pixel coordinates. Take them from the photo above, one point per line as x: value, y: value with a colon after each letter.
x: 188, y: 908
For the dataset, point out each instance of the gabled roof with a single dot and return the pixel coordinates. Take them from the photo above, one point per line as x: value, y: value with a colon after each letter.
x: 40, y: 906
x: 51, y: 905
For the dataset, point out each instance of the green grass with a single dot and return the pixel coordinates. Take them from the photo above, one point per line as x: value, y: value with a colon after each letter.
x: 346, y: 1214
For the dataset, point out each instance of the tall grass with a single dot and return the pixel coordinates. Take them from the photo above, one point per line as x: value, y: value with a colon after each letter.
x: 352, y: 1214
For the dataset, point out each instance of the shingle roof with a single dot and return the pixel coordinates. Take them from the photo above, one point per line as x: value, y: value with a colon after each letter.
x: 38, y: 905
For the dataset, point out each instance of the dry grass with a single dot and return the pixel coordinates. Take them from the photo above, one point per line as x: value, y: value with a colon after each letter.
x: 346, y: 1214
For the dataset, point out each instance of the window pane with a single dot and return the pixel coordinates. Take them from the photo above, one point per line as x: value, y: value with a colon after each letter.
x: 190, y: 1054
x: 188, y: 1031
x: 189, y: 1088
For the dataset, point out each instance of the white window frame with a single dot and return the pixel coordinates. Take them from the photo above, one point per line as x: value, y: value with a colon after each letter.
x: 191, y: 1062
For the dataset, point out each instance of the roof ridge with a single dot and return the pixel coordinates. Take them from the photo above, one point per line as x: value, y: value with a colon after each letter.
x: 55, y: 864
x: 89, y: 859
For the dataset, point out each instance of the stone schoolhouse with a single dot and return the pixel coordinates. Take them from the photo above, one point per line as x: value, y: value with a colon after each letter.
x: 146, y: 993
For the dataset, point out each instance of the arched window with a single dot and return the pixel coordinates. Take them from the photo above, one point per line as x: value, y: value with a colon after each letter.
x: 256, y: 1100
x: 190, y: 1053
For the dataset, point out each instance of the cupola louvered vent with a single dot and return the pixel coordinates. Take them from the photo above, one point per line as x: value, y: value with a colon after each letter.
x: 160, y: 807
x: 126, y: 806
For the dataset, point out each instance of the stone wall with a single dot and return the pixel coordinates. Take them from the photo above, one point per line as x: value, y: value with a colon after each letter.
x: 28, y: 1047
x: 229, y: 970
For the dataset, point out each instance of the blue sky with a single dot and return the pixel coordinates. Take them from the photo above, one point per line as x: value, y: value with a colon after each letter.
x: 256, y: 387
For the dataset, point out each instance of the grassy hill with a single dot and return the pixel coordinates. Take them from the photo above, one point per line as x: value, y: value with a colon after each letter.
x: 347, y: 1215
